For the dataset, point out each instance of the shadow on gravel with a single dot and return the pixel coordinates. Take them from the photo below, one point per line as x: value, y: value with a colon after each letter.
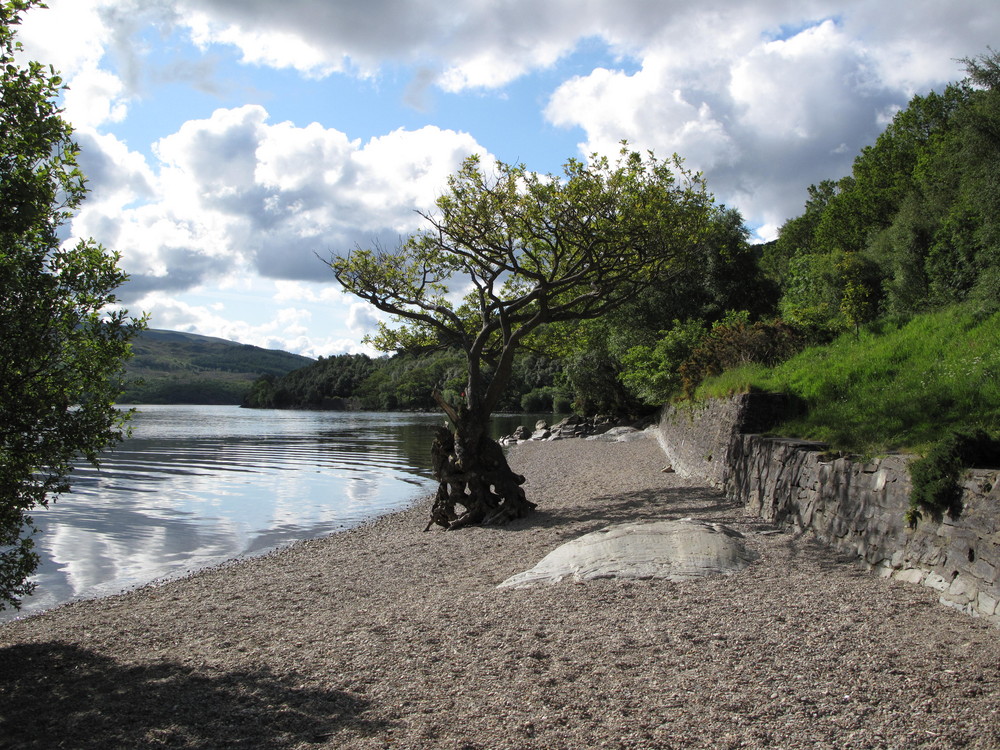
x: 802, y: 546
x: 60, y: 695
x: 658, y: 504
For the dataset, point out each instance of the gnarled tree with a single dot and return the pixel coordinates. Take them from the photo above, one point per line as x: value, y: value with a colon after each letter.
x: 507, y: 252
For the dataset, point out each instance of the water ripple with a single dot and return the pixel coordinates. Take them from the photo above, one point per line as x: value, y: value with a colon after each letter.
x: 198, y: 485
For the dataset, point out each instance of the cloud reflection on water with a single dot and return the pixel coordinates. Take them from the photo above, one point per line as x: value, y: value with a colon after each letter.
x: 197, y: 485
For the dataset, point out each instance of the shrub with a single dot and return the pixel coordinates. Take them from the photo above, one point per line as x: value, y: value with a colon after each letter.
x: 935, y: 476
x: 561, y: 405
x: 735, y: 342
x: 652, y: 373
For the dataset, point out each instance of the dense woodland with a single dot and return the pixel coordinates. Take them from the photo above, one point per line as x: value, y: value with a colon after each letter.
x: 914, y: 229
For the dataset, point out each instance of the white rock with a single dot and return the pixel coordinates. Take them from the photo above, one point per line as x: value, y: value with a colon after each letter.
x: 676, y: 550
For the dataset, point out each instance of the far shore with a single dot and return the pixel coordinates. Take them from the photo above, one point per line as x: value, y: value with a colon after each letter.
x: 385, y: 636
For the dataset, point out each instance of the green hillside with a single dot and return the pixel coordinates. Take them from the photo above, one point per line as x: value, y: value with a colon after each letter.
x: 171, y: 367
x: 896, y: 385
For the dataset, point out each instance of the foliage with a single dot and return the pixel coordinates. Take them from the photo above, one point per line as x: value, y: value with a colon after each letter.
x: 812, y: 292
x: 321, y: 384
x: 900, y: 385
x: 536, y: 385
x: 724, y: 275
x: 401, y: 382
x: 917, y: 217
x: 653, y: 372
x: 63, y: 346
x: 935, y: 476
x: 407, y: 381
x: 187, y: 389
x: 627, y: 360
x: 594, y: 378
x: 734, y: 342
x: 860, y: 291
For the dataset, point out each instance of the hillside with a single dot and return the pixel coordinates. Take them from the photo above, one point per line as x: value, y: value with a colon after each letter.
x: 896, y: 385
x: 185, y: 368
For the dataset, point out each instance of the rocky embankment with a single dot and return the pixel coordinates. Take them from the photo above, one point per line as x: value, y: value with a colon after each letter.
x: 575, y: 426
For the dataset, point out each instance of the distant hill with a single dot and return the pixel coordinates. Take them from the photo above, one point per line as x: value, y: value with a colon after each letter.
x: 185, y: 368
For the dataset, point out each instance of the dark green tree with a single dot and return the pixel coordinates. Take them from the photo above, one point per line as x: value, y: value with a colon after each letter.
x: 626, y: 361
x: 63, y: 344
x: 526, y: 251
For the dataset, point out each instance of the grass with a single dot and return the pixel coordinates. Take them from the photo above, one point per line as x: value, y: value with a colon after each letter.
x: 898, y: 386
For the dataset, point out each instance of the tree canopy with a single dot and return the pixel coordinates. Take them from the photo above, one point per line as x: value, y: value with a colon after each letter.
x: 914, y: 226
x: 62, y: 343
x: 510, y: 251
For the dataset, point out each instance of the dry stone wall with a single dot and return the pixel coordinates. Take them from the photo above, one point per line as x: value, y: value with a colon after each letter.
x: 856, y: 507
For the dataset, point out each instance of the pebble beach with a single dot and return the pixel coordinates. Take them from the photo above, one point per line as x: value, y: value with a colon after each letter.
x: 385, y: 636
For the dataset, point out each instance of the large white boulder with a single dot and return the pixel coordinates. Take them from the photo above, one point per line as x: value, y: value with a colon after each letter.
x: 676, y: 550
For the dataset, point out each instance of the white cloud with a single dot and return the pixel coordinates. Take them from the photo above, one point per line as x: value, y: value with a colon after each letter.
x: 763, y: 122
x: 270, y: 46
x: 480, y: 43
x: 613, y: 106
x: 71, y: 35
x: 233, y: 193
x: 319, y: 293
x: 288, y: 329
x: 362, y: 318
x: 724, y: 85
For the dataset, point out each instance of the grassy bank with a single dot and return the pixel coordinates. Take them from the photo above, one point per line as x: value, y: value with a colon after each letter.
x: 902, y: 385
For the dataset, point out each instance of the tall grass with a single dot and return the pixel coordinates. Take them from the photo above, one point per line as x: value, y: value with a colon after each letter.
x: 896, y: 387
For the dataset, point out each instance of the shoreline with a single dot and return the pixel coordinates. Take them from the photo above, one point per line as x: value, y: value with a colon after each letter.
x: 385, y: 636
x: 416, y: 500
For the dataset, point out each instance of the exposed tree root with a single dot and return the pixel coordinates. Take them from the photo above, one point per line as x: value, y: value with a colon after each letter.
x: 478, y: 479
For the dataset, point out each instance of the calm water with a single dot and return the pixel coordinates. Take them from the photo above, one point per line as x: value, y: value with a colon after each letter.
x: 197, y: 485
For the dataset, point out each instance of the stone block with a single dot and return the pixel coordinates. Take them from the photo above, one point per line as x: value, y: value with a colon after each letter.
x: 984, y: 571
x: 856, y: 508
x: 881, y: 478
x: 936, y: 582
x: 839, y: 526
x: 963, y: 588
x: 910, y: 575
x: 934, y: 557
x: 987, y: 604
x: 959, y: 604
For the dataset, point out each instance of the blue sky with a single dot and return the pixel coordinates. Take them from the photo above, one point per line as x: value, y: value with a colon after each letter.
x: 228, y: 142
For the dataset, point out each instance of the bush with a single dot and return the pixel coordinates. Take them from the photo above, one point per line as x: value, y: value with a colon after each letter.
x: 735, y: 342
x: 652, y: 373
x: 935, y: 476
x: 562, y: 405
x: 537, y: 401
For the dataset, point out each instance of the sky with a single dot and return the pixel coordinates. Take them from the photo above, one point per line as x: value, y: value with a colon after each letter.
x: 233, y: 145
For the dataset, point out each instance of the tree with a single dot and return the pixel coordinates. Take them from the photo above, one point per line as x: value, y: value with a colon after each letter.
x: 526, y: 250
x: 62, y: 349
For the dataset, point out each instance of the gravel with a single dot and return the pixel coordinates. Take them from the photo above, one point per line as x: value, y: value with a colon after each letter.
x: 388, y: 637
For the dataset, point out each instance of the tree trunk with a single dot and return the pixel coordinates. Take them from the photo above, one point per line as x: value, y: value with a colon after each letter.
x: 472, y: 472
